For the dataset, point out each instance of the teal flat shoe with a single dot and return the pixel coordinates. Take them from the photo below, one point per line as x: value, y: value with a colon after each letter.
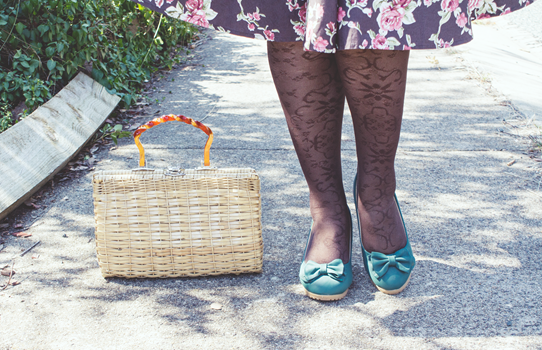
x: 326, y: 282
x: 390, y: 273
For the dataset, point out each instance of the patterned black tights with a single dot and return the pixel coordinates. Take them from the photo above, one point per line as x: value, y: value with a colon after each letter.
x: 312, y: 87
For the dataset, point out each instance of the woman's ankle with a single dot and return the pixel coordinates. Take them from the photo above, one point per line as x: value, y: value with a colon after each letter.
x: 382, y: 230
x: 330, y: 239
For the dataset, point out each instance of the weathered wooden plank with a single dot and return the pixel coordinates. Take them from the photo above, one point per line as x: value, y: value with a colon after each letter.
x: 35, y: 149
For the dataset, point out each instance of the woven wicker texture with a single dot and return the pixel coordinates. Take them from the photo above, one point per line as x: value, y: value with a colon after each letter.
x: 155, y: 224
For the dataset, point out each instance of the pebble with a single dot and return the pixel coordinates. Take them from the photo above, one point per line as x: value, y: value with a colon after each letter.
x: 216, y: 306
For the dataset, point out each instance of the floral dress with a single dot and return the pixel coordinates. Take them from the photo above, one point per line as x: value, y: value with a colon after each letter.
x: 330, y: 25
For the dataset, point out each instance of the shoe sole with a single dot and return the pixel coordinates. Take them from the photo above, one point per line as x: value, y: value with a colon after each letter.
x: 322, y: 297
x: 395, y: 291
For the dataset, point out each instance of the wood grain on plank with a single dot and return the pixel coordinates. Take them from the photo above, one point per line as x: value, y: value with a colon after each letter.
x: 35, y: 149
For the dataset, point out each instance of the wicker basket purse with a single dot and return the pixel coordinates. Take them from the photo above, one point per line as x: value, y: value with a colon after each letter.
x: 176, y: 222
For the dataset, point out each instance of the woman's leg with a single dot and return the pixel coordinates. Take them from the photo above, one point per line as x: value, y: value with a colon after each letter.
x: 312, y: 98
x: 374, y: 83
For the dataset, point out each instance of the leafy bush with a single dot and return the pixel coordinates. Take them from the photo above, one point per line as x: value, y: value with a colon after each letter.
x: 44, y: 43
x: 5, y: 116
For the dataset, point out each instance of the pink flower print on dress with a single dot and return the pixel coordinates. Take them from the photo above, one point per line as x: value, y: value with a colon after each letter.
x: 391, y: 18
x: 343, y: 24
x: 320, y: 44
x: 461, y: 20
x: 401, y: 3
x: 198, y: 18
x: 319, y: 11
x: 475, y: 4
x: 443, y: 44
x: 269, y: 35
x: 194, y: 5
x: 198, y: 12
x: 293, y: 5
x: 505, y: 12
x: 483, y: 15
x: 299, y: 29
x: 309, y: 32
x: 380, y: 42
x: 303, y: 13
x: 340, y: 14
x: 449, y: 5
x: 364, y: 43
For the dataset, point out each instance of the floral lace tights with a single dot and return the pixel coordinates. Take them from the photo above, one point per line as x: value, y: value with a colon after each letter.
x: 312, y: 88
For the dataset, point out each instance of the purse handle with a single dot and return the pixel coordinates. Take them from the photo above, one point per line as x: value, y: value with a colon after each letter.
x: 167, y: 118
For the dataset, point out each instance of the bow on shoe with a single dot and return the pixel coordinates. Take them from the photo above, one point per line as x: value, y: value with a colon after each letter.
x: 382, y: 262
x: 334, y: 269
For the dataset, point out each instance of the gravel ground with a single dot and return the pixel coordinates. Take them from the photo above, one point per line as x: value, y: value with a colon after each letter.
x: 474, y: 220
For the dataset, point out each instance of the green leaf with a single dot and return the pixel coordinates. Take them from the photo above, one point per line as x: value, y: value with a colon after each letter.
x: 445, y: 18
x: 19, y: 28
x: 34, y: 63
x: 127, y: 99
x: 377, y: 4
x: 117, y: 127
x: 105, y: 128
x: 43, y: 29
x: 96, y: 74
x: 51, y: 64
x: 50, y: 51
x: 409, y: 18
x: 393, y: 41
x: 2, y: 22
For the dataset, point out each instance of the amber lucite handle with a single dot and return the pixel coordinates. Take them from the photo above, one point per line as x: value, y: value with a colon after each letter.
x: 167, y: 118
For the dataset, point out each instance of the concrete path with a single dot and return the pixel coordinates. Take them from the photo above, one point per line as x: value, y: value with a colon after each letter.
x: 474, y: 222
x: 508, y: 53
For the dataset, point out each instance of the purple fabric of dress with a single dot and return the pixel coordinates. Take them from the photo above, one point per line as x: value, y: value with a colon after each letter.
x: 330, y: 25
